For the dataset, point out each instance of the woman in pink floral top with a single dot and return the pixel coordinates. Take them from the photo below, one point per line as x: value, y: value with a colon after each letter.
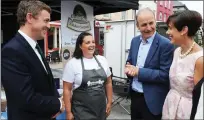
x: 187, y: 66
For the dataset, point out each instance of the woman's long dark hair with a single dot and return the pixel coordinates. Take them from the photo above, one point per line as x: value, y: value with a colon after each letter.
x: 78, y: 52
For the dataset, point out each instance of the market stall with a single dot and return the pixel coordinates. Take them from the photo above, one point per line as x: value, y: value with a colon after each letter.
x: 96, y: 8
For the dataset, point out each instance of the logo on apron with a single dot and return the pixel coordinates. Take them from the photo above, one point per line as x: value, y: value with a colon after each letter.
x: 95, y: 83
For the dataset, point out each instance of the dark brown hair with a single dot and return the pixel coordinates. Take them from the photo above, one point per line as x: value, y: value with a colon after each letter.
x: 30, y: 6
x: 191, y: 19
x: 78, y: 52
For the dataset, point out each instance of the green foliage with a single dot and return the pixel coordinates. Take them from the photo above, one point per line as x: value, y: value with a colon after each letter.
x: 199, y: 39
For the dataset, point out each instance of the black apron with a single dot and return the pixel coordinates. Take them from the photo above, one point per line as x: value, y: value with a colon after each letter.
x: 89, y: 99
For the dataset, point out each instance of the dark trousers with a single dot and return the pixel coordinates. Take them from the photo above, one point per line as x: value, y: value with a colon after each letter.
x: 139, y: 109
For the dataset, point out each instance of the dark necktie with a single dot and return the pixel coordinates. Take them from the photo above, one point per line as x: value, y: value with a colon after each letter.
x: 50, y: 76
x: 44, y: 60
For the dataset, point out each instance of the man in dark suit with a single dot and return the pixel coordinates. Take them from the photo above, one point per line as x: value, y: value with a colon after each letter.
x: 148, y: 65
x: 26, y: 76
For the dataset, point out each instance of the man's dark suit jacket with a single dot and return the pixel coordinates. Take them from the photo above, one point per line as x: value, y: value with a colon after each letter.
x: 196, y: 97
x: 30, y: 92
x: 155, y: 74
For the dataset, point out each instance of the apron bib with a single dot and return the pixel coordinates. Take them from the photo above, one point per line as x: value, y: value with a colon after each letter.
x: 89, y: 100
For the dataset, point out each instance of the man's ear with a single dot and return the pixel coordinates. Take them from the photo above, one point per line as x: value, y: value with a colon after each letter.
x: 29, y: 17
x: 137, y: 24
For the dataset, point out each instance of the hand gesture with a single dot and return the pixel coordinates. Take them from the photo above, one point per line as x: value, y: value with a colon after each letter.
x: 131, y: 70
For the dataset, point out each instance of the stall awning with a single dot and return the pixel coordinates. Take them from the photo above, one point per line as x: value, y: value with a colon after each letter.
x: 110, y: 6
x: 8, y: 7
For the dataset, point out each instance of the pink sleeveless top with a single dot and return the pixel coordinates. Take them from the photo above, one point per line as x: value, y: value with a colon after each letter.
x: 178, y: 102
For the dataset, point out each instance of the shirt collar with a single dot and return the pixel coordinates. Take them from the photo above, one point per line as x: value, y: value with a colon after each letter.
x: 149, y: 40
x: 32, y: 42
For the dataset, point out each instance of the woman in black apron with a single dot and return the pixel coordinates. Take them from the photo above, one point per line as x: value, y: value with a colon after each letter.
x: 88, y: 101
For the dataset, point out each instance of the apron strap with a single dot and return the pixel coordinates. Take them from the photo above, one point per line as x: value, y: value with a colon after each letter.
x: 98, y: 62
x: 82, y: 63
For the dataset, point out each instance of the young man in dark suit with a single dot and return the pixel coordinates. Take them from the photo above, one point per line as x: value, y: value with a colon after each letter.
x: 148, y: 66
x: 26, y: 76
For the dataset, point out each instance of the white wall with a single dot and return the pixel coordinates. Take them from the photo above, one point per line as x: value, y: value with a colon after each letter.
x: 116, y: 42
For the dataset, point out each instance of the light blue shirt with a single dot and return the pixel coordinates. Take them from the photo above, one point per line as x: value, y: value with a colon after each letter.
x: 141, y: 58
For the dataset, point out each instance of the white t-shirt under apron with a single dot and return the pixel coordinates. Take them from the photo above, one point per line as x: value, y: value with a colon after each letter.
x: 73, y: 69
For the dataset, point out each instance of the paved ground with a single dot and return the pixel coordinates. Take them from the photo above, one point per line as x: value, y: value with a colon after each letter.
x: 117, y: 111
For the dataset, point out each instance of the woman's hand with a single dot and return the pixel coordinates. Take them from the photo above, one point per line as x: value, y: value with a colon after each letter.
x: 67, y: 88
x: 109, y: 94
x: 108, y: 109
x: 69, y: 116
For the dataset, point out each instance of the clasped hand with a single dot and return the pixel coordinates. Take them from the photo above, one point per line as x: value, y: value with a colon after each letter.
x: 131, y: 70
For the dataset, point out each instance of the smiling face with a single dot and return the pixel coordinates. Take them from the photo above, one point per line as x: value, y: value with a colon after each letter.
x: 146, y: 24
x: 176, y: 37
x: 88, y: 46
x: 40, y: 24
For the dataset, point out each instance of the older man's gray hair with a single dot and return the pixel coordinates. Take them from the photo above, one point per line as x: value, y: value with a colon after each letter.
x: 144, y: 10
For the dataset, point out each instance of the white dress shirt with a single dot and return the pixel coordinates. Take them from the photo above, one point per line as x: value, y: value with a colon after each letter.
x: 33, y: 44
x: 141, y: 58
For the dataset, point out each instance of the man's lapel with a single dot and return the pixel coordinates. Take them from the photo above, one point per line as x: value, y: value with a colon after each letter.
x: 135, y: 50
x: 152, y: 50
x: 35, y: 60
